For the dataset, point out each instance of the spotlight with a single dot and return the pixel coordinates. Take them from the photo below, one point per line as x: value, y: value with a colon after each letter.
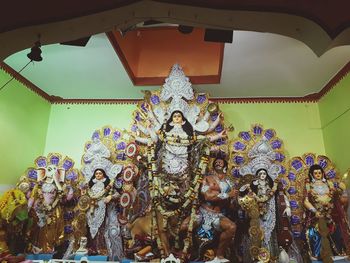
x: 35, y: 52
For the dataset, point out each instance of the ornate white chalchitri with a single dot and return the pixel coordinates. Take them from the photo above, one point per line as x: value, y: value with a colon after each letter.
x: 178, y: 129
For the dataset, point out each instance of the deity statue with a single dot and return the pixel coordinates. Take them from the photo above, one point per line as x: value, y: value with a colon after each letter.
x: 327, y: 230
x: 82, y: 250
x: 50, y: 197
x: 14, y: 224
x: 100, y: 202
x: 263, y: 196
x: 178, y: 136
x: 217, y: 191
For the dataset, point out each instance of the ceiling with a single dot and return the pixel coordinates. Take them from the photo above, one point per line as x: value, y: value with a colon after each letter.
x: 279, y: 49
x: 254, y: 65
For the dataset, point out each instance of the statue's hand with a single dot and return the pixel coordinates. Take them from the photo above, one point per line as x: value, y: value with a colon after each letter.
x: 108, y: 199
x: 233, y: 193
x: 36, y: 250
x: 287, y: 211
x: 318, y: 214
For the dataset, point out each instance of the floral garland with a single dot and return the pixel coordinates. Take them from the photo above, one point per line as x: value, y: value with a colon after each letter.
x: 190, y: 196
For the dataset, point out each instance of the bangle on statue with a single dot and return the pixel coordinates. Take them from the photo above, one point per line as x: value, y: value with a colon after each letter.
x: 223, y: 195
x: 313, y: 210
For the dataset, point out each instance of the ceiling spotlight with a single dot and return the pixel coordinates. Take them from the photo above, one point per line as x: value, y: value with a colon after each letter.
x: 35, y: 52
x: 185, y: 29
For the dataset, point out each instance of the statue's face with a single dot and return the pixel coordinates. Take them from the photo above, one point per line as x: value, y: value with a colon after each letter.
x: 219, y: 165
x: 317, y: 174
x: 262, y: 174
x: 99, y: 175
x: 177, y: 118
x: 51, y: 170
x: 83, y: 241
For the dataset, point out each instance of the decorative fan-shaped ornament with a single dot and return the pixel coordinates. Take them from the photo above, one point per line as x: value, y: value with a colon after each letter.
x: 257, y: 148
x: 125, y: 199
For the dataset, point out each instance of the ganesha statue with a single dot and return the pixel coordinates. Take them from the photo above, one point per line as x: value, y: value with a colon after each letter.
x: 50, y: 190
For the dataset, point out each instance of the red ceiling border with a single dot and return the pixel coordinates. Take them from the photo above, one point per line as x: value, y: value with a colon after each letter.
x: 312, y: 98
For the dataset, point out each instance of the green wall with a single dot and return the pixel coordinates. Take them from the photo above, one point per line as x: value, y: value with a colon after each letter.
x: 335, y: 118
x: 24, y: 118
x: 297, y: 124
x: 71, y: 126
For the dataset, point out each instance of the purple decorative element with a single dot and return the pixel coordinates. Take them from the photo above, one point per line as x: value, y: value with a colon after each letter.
x: 41, y: 162
x: 121, y: 156
x: 54, y: 160
x: 282, y: 170
x: 336, y: 184
x: 95, y: 135
x: 201, y: 98
x: 235, y: 173
x: 296, y: 234
x: 137, y: 117
x: 88, y: 146
x: 297, y: 164
x: 220, y: 142
x: 284, y: 182
x: 292, y: 176
x: 292, y: 190
x: 323, y: 163
x: 331, y: 174
x: 143, y: 107
x: 245, y: 136
x: 294, y: 204
x: 32, y: 185
x: 121, y: 146
x: 276, y: 144
x: 238, y: 159
x: 32, y: 174
x: 279, y: 157
x: 214, y: 116
x: 155, y: 99
x: 68, y: 229
x: 69, y: 215
x: 295, y: 219
x: 118, y: 183
x: 67, y: 164
x: 116, y: 135
x: 106, y: 131
x: 309, y: 160
x: 269, y: 134
x: 219, y: 128
x: 134, y: 128
x: 72, y: 176
x: 257, y: 130
x: 238, y: 146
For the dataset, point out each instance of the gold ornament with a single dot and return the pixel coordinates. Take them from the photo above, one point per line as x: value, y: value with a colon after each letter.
x: 84, y: 203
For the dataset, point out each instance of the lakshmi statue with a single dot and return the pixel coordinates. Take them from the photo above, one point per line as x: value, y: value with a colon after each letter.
x: 100, y: 202
x: 327, y: 230
x: 178, y: 135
